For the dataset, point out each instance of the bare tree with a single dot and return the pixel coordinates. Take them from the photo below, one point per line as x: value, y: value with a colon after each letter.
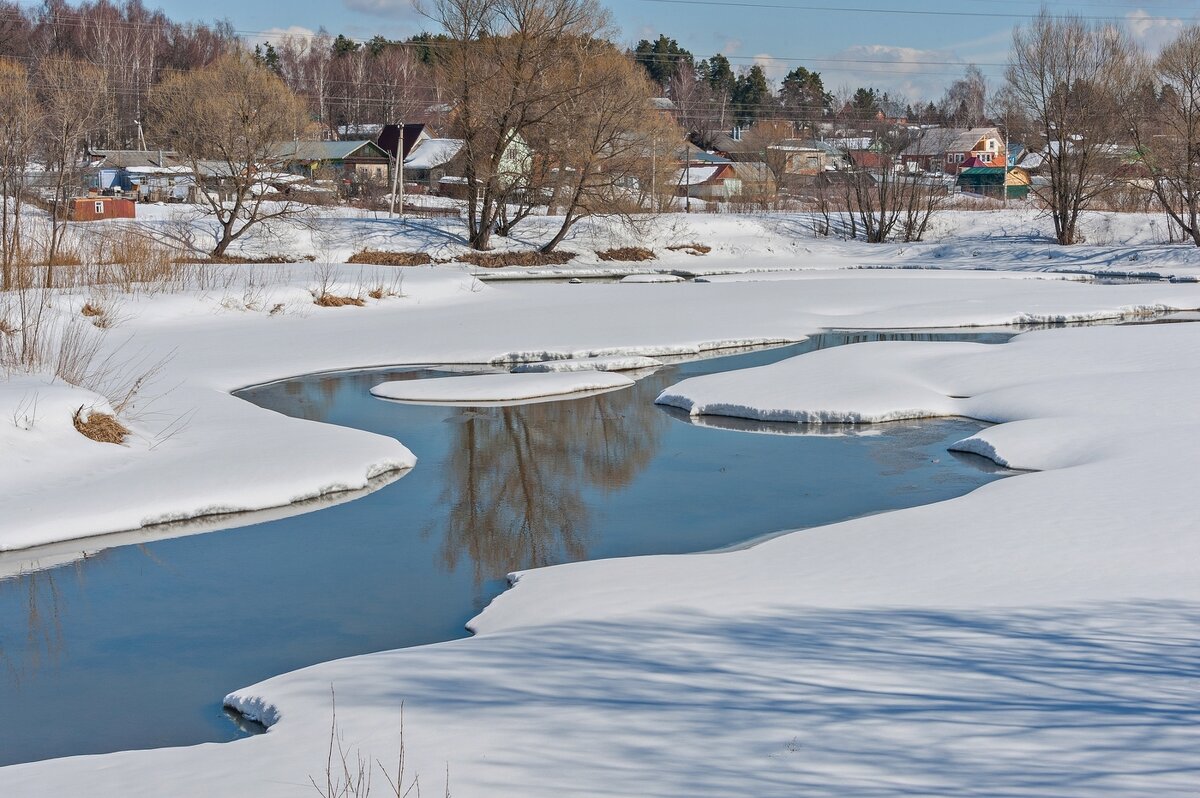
x: 1071, y: 77
x: 232, y: 122
x: 1165, y: 120
x: 499, y: 72
x: 72, y: 110
x: 19, y: 122
x: 597, y: 140
x: 966, y: 99
x: 885, y: 200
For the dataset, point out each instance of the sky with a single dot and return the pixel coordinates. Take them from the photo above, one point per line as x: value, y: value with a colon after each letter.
x: 910, y: 48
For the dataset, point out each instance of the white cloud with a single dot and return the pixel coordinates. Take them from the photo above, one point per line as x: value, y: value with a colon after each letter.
x: 392, y: 9
x: 774, y: 68
x: 916, y: 75
x: 1150, y: 31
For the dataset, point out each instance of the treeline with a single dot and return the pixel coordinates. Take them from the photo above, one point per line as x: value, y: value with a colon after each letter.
x: 129, y: 46
x: 711, y: 96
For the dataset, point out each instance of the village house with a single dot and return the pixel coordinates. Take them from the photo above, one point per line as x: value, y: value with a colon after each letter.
x: 143, y: 175
x: 948, y: 150
x: 350, y: 161
x: 434, y: 164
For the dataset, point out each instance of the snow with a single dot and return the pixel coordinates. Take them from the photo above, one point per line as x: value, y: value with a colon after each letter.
x: 432, y: 153
x: 251, y: 324
x: 1037, y: 636
x: 615, y: 363
x: 695, y: 175
x: 500, y: 387
x: 652, y: 278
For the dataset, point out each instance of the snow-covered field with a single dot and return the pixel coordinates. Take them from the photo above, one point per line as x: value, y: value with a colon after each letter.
x: 1036, y: 637
x: 1019, y: 238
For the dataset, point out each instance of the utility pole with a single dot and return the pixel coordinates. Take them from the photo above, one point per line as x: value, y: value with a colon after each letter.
x: 398, y: 176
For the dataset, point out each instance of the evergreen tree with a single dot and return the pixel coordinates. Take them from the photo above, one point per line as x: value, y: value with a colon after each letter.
x: 865, y: 103
x: 803, y: 94
x: 343, y: 45
x: 427, y: 46
x: 662, y: 58
x: 717, y: 73
x: 751, y: 95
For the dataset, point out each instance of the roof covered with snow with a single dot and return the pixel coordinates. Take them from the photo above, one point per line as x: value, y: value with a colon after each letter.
x: 432, y: 153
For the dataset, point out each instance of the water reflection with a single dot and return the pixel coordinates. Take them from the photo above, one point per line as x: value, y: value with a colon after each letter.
x: 514, y: 480
x: 176, y: 623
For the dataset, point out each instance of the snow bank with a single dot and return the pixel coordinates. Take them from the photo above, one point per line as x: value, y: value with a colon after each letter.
x: 260, y: 323
x: 614, y: 363
x: 500, y: 387
x: 1037, y: 636
x: 652, y: 278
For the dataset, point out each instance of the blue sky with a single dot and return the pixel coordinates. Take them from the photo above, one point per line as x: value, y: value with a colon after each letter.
x: 911, y: 54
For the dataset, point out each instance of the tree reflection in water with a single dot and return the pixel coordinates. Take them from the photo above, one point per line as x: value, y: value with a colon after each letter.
x: 516, y: 475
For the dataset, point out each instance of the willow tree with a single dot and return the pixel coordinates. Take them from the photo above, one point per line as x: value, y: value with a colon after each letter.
x: 19, y: 123
x: 232, y: 123
x: 1165, y: 120
x: 499, y: 70
x: 601, y: 139
x: 72, y: 111
x: 1072, y: 77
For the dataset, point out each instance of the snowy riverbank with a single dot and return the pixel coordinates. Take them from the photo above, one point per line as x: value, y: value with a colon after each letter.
x: 1036, y: 636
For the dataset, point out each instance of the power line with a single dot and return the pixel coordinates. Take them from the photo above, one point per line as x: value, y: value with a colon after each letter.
x: 902, y: 12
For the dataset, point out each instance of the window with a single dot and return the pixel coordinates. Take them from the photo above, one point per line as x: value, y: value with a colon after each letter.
x: 100, y: 207
x: 986, y: 157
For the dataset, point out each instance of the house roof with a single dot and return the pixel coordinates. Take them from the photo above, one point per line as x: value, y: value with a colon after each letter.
x: 937, y: 141
x: 697, y: 175
x: 753, y: 172
x: 124, y: 159
x: 432, y: 153
x: 328, y: 150
x: 983, y: 171
x: 412, y: 133
x: 697, y: 155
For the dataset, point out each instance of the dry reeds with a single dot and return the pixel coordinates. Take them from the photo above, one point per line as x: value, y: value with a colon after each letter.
x: 691, y: 249
x: 632, y: 254
x: 496, y: 260
x: 100, y: 427
x: 327, y: 300
x: 383, y: 257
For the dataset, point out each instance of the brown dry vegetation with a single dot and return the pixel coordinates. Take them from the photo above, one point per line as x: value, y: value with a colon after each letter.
x: 691, y: 249
x: 244, y: 259
x: 495, y: 260
x: 100, y: 427
x: 383, y: 257
x: 627, y: 254
x: 91, y: 310
x: 326, y: 300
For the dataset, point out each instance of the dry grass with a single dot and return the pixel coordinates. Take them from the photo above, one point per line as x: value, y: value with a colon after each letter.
x: 692, y: 249
x: 383, y: 257
x: 100, y: 427
x: 627, y: 254
x: 327, y: 300
x: 259, y: 261
x: 496, y: 260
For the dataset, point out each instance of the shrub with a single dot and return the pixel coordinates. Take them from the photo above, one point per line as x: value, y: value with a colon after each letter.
x: 496, y: 260
x: 382, y: 257
x: 100, y: 427
x: 627, y: 254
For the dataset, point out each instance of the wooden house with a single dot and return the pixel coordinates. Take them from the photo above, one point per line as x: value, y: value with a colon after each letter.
x: 948, y: 150
x: 94, y: 209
